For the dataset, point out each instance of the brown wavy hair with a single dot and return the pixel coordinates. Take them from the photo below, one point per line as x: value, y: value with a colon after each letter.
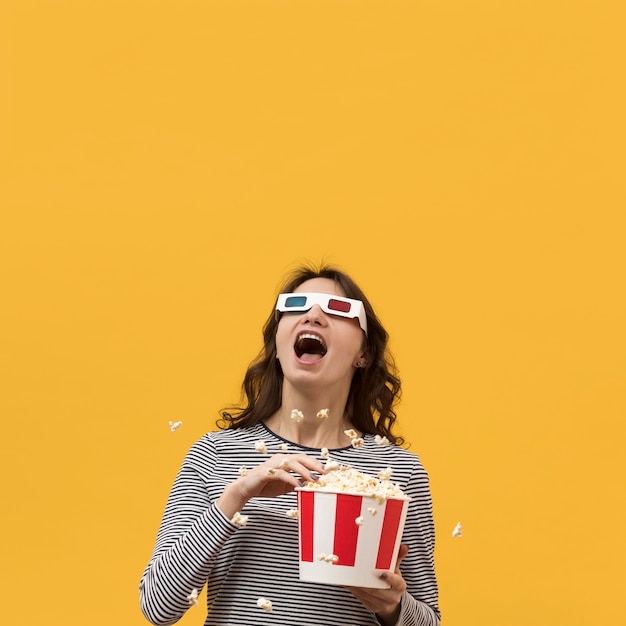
x: 374, y: 392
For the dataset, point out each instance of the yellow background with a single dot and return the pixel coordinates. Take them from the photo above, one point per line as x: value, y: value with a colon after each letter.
x: 163, y: 164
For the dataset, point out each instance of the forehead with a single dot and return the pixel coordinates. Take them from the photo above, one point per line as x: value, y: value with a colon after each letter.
x: 320, y: 285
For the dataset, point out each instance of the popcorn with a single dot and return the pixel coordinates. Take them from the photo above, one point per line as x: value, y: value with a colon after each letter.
x: 284, y: 464
x: 357, y: 442
x: 239, y: 519
x: 372, y: 510
x: 381, y: 441
x: 174, y: 426
x: 351, y: 433
x: 324, y: 453
x: 359, y: 521
x: 264, y: 604
x: 457, y: 532
x: 243, y: 471
x: 331, y: 465
x: 260, y: 446
x: 346, y: 479
x: 385, y: 474
x: 329, y: 558
x: 322, y: 414
x: 193, y: 597
x: 292, y: 513
x: 284, y: 447
x: 271, y: 471
x: 297, y: 416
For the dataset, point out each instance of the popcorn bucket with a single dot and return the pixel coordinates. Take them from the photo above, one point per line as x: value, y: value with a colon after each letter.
x: 348, y: 539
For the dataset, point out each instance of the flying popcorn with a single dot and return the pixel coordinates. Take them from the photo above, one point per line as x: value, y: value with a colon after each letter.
x: 357, y: 442
x: 324, y: 453
x: 322, y: 414
x: 372, y: 510
x: 381, y: 441
x: 457, y: 532
x: 359, y: 521
x: 193, y: 597
x: 292, y: 513
x: 174, y: 426
x: 329, y: 558
x: 260, y: 446
x: 264, y: 604
x: 351, y: 433
x: 297, y: 416
x: 284, y: 464
x: 243, y: 471
x: 331, y: 465
x: 239, y: 519
x: 284, y: 447
x: 271, y: 471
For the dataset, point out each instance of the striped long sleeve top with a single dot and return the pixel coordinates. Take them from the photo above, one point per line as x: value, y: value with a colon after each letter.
x: 197, y: 545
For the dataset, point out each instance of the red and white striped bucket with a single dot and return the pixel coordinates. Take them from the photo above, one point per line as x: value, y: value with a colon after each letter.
x: 327, y: 526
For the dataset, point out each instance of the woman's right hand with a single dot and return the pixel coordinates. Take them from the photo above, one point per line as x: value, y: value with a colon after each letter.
x: 278, y: 475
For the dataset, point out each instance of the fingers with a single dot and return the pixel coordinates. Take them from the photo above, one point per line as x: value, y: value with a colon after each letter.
x: 402, y: 552
x: 381, y: 600
x: 280, y: 474
x: 302, y: 465
x: 395, y: 581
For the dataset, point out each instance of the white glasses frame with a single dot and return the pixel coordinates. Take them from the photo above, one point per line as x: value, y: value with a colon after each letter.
x: 355, y: 310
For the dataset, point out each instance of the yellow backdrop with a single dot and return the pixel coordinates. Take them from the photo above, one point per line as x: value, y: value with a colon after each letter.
x: 163, y: 164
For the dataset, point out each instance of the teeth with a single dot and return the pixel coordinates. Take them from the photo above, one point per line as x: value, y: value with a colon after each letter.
x: 311, y: 336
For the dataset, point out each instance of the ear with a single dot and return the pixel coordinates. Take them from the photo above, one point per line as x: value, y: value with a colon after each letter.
x: 361, y: 361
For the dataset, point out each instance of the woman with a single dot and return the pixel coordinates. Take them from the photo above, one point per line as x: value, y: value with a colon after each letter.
x: 324, y: 347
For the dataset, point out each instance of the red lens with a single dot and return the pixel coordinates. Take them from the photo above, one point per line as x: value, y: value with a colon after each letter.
x: 339, y: 305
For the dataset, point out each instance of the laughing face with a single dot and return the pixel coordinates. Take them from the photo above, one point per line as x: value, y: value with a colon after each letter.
x: 315, y: 347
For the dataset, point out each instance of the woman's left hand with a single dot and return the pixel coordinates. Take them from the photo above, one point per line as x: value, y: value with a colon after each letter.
x: 385, y: 602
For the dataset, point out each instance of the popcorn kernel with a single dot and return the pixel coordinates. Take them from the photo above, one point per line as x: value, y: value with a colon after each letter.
x: 297, y: 416
x: 192, y: 598
x: 264, y: 604
x: 239, y: 519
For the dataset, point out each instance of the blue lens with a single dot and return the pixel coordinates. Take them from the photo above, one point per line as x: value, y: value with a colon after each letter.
x: 295, y: 301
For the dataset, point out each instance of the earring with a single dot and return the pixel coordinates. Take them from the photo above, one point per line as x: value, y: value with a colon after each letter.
x: 358, y: 363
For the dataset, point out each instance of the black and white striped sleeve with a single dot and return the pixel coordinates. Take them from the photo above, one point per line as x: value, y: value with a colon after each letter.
x: 420, y: 601
x: 191, y: 534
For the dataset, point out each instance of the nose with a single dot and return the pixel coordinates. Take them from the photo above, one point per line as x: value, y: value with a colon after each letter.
x: 315, y: 316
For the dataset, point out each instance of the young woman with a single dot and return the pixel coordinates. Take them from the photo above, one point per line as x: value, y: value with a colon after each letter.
x: 324, y: 348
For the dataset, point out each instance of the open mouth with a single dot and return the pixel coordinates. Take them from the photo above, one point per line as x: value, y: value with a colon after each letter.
x: 309, y: 346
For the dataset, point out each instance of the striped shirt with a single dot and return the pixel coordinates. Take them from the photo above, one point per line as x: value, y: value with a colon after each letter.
x: 197, y: 544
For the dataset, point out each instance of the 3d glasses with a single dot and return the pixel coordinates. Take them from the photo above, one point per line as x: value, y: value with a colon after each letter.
x: 334, y: 305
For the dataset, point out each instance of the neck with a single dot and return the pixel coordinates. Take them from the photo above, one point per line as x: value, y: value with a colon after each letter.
x: 311, y: 431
